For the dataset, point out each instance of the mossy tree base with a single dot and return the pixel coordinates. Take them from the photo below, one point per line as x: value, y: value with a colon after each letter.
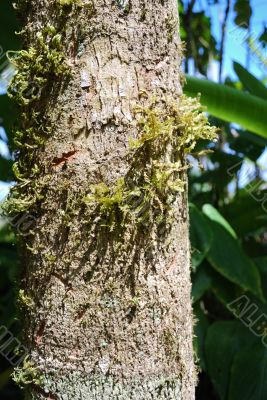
x: 77, y: 387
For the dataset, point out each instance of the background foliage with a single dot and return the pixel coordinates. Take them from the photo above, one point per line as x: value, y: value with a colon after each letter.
x: 228, y: 204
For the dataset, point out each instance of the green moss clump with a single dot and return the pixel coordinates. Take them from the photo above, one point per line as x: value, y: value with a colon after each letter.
x: 25, y: 300
x: 29, y: 138
x: 26, y: 375
x: 36, y: 66
x: 181, y: 124
x: 38, y: 70
x: 110, y: 202
x: 25, y: 195
x: 75, y: 5
x: 66, y: 2
x: 167, y: 132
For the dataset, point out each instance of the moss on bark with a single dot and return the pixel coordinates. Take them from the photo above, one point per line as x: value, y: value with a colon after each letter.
x: 101, y: 149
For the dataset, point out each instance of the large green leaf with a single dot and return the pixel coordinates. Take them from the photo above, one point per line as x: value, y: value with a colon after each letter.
x: 207, y: 279
x: 261, y: 263
x: 228, y: 258
x: 247, y: 144
x: 224, y: 290
x: 200, y: 331
x: 249, y: 374
x: 224, y: 339
x: 246, y: 214
x: 230, y: 104
x: 252, y: 84
x: 200, y: 235
x: 214, y: 215
x: 255, y: 139
x: 201, y: 282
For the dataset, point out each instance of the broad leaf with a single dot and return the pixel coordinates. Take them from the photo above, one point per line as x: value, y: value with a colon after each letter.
x: 224, y: 339
x: 207, y: 279
x: 200, y: 235
x: 200, y: 330
x: 201, y: 282
x: 247, y: 144
x: 261, y: 263
x: 252, y: 84
x: 230, y: 104
x: 246, y: 214
x: 214, y: 215
x: 224, y: 290
x: 228, y: 258
x: 248, y: 375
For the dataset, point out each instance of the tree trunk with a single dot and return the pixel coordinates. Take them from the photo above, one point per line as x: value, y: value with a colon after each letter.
x: 106, y: 270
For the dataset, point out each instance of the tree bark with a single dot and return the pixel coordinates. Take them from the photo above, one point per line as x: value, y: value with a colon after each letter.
x: 108, y: 314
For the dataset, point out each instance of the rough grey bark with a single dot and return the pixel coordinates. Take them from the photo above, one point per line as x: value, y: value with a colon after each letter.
x: 108, y: 315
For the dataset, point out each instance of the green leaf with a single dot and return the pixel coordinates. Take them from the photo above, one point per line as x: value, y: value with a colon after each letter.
x: 200, y: 331
x: 248, y: 375
x: 261, y: 263
x: 246, y: 143
x: 246, y: 214
x: 224, y: 290
x: 207, y: 279
x: 243, y: 12
x: 214, y: 215
x: 224, y: 339
x: 201, y: 282
x: 228, y: 258
x: 230, y: 104
x: 255, y: 139
x: 200, y: 235
x: 252, y: 84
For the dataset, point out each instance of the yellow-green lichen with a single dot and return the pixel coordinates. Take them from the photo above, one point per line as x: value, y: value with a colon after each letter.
x: 28, y: 374
x: 25, y: 300
x: 67, y: 2
x: 75, y: 5
x: 135, y: 301
x: 50, y: 257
